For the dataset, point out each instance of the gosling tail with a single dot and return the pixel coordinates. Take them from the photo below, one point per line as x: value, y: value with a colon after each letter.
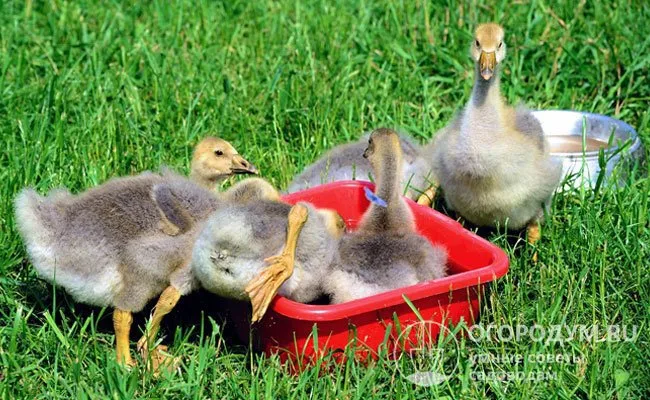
x: 36, y: 219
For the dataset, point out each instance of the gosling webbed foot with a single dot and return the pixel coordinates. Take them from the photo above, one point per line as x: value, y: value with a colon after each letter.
x: 129, y: 363
x: 533, y: 235
x: 166, y: 303
x: 263, y: 288
x: 428, y: 196
x: 143, y: 346
x: 158, y: 360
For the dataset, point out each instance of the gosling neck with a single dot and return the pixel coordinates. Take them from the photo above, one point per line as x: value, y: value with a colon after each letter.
x: 486, y: 93
x: 203, y: 181
x: 482, y: 118
x: 396, y: 216
x: 388, y: 177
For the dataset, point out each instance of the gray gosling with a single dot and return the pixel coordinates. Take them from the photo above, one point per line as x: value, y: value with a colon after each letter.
x: 241, y: 254
x: 492, y: 161
x: 113, y: 246
x: 254, y: 250
x: 385, y: 252
x: 345, y: 162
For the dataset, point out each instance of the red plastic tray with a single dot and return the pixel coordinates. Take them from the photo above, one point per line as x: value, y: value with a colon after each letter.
x: 288, y: 327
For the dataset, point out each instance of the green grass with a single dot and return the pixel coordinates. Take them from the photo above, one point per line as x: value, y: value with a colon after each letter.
x: 91, y: 90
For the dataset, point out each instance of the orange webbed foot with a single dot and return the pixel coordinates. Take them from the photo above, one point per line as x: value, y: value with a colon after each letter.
x: 428, y: 196
x: 263, y: 288
x: 533, y: 235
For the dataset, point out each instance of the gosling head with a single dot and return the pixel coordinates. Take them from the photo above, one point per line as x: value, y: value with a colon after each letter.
x: 229, y: 275
x: 215, y: 160
x: 383, y: 145
x: 488, y: 48
x: 221, y: 257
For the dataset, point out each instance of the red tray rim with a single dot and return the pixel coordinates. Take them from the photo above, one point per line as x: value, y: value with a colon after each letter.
x: 479, y: 276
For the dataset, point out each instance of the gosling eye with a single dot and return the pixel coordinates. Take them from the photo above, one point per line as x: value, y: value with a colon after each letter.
x: 476, y: 43
x: 218, y: 152
x: 500, y: 44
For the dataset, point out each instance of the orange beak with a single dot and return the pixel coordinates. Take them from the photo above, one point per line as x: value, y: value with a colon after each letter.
x: 487, y: 62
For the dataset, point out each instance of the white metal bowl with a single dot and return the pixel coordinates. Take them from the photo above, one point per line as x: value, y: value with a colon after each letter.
x: 577, y: 159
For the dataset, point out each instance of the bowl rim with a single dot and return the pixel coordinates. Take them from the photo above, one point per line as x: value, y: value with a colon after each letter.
x: 634, y: 136
x: 497, y: 268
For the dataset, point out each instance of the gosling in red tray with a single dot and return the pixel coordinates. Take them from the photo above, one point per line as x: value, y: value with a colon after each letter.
x: 316, y: 258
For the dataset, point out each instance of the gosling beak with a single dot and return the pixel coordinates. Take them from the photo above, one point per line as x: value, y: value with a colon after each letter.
x: 487, y: 62
x: 366, y: 153
x: 241, y: 166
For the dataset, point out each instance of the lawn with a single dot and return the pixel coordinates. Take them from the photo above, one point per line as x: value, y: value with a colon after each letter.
x: 92, y: 90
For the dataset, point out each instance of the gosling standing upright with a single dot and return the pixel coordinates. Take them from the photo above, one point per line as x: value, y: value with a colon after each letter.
x: 112, y: 246
x: 492, y: 161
